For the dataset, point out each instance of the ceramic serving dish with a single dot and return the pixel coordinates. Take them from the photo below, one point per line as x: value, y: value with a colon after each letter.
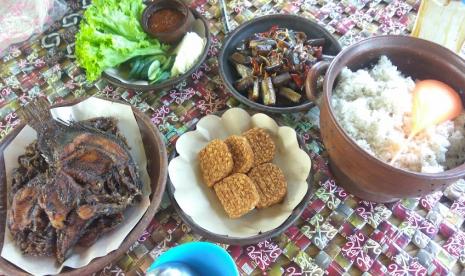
x: 118, y: 76
x: 262, y: 24
x: 198, y: 205
x: 356, y: 170
x: 172, y: 36
x: 157, y: 172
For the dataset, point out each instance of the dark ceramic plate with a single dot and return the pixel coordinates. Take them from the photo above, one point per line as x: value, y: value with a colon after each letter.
x: 225, y: 239
x: 173, y: 81
x: 262, y: 24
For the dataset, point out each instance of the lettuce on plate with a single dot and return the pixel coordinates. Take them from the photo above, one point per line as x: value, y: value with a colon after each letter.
x: 110, y: 34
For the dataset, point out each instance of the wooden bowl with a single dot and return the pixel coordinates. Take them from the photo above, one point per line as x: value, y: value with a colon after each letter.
x: 156, y: 167
x: 225, y: 239
x: 172, y: 81
x: 262, y: 24
x: 356, y: 170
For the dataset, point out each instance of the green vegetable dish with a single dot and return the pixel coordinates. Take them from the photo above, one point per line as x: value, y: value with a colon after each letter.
x: 111, y: 36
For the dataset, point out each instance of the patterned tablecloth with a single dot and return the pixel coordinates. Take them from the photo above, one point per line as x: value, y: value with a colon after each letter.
x: 337, y: 233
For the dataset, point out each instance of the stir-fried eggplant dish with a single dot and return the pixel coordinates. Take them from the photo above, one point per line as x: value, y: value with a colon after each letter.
x: 272, y: 65
x: 72, y: 185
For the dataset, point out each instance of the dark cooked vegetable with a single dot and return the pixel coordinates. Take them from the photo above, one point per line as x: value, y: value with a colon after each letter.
x: 281, y: 79
x: 246, y: 52
x: 294, y: 58
x: 299, y: 67
x: 264, y: 60
x: 289, y: 94
x: 263, y: 49
x: 244, y: 83
x: 283, y: 44
x: 278, y: 61
x: 241, y: 46
x: 243, y: 70
x: 240, y: 58
x: 300, y: 36
x: 298, y: 80
x: 268, y: 93
x: 255, y: 43
x: 254, y: 93
x: 293, y: 86
x: 273, y: 68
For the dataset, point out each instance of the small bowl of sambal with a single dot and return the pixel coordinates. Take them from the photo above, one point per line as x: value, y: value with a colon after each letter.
x: 167, y: 20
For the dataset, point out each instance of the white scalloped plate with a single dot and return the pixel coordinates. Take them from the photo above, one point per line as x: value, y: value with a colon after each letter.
x: 200, y: 202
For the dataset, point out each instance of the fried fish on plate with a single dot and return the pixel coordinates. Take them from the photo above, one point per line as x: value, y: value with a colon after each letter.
x: 72, y: 185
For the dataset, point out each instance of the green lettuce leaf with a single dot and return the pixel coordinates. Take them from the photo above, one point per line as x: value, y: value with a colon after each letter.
x: 110, y: 34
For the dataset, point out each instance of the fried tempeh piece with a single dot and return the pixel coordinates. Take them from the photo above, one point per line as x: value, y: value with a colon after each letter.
x: 262, y: 145
x: 238, y: 194
x: 216, y: 162
x: 241, y: 152
x: 271, y: 184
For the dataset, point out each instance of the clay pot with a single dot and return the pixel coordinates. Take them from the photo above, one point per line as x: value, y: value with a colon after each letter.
x: 171, y: 36
x: 356, y: 170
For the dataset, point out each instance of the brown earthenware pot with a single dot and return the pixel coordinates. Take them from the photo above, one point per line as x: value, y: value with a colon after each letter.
x: 356, y: 170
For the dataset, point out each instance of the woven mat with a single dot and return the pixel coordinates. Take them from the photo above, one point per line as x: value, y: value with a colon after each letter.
x: 337, y: 233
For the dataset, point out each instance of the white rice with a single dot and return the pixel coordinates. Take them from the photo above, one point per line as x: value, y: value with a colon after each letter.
x: 374, y: 108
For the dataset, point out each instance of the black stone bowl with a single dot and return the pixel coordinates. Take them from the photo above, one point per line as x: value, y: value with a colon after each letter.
x: 262, y: 24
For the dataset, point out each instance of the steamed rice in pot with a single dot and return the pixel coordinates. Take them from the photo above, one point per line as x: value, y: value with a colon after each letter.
x: 374, y: 107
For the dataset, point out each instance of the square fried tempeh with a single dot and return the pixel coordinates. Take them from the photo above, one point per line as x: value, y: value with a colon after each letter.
x: 264, y: 149
x: 271, y: 184
x: 241, y: 152
x: 238, y: 194
x: 216, y: 162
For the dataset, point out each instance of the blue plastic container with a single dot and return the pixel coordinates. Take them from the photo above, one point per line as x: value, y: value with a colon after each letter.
x: 204, y: 258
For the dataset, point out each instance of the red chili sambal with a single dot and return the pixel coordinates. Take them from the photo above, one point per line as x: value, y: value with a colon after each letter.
x: 165, y: 20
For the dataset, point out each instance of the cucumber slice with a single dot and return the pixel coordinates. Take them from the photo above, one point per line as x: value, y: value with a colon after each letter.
x: 135, y: 68
x: 153, y: 70
x: 155, y: 74
x: 145, y: 70
x: 168, y: 64
x: 163, y: 76
x: 140, y: 68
